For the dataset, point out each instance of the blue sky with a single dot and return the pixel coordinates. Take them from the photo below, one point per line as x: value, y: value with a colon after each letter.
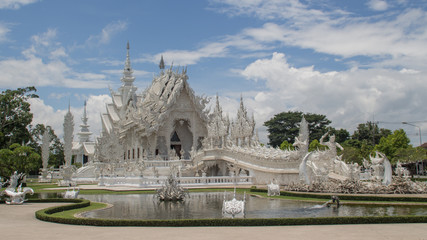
x: 354, y: 61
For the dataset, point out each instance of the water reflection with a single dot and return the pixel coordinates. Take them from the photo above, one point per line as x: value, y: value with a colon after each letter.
x: 209, y: 205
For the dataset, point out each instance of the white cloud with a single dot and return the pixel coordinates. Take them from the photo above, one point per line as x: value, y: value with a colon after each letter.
x: 46, y: 114
x: 347, y: 98
x: 109, y: 31
x: 4, y: 30
x: 15, y: 4
x: 58, y: 96
x: 293, y: 10
x: 377, y: 5
x: 397, y: 40
x: 42, y: 65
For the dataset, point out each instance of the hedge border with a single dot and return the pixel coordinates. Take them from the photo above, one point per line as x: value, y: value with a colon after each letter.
x: 347, y: 197
x: 46, y: 215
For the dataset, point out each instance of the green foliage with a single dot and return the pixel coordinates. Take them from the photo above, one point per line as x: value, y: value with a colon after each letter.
x: 315, y: 145
x: 285, y: 126
x: 370, y: 133
x: 410, y: 154
x: 352, y: 155
x: 341, y: 135
x: 15, y: 116
x: 19, y: 158
x: 354, y: 148
x: 390, y: 144
x: 286, y: 145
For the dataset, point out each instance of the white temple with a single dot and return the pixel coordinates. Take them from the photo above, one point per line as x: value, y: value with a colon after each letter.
x: 167, y: 126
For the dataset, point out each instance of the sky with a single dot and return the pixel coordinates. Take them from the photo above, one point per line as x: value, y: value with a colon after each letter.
x: 353, y: 61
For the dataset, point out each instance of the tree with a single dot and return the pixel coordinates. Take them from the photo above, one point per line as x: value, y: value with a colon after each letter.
x: 389, y: 145
x: 370, y: 133
x: 410, y: 154
x: 19, y: 158
x: 341, y: 135
x: 285, y: 126
x: 15, y: 116
x: 352, y: 155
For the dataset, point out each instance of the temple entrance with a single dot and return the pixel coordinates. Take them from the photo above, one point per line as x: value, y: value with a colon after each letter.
x: 181, y: 139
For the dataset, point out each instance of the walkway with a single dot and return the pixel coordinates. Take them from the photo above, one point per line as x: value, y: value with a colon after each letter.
x: 18, y: 222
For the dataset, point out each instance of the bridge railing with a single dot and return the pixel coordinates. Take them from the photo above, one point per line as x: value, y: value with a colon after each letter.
x: 184, y: 181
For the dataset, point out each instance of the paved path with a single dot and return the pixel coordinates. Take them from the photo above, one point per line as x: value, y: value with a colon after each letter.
x: 19, y: 222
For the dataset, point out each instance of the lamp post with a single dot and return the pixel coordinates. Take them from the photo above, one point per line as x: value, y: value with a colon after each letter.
x: 419, y: 129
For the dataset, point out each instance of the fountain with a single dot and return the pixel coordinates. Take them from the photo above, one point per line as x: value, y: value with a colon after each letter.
x: 233, y: 207
x: 171, y: 189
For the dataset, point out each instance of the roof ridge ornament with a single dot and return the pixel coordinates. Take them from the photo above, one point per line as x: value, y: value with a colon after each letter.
x: 162, y: 63
x: 127, y: 78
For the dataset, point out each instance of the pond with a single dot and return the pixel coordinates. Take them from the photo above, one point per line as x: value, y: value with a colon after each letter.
x: 201, y: 205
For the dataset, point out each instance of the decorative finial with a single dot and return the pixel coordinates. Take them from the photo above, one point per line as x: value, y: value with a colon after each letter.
x: 162, y: 63
x: 127, y: 78
x: 84, y: 118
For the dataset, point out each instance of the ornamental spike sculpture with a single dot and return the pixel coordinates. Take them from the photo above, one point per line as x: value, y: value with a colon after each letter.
x: 68, y: 136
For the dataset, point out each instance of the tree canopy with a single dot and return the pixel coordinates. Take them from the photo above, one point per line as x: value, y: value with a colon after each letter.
x: 392, y: 143
x: 285, y: 126
x: 19, y: 158
x: 370, y: 133
x: 15, y: 116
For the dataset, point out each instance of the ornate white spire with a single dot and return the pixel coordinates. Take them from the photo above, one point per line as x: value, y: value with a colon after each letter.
x: 68, y: 136
x: 127, y: 77
x: 84, y: 133
x: 45, y: 147
x: 243, y: 127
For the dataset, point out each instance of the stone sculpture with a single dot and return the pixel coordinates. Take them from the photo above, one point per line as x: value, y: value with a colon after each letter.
x: 273, y: 189
x: 14, y: 193
x: 71, y: 193
x: 401, y: 171
x: 381, y: 168
x: 171, y: 189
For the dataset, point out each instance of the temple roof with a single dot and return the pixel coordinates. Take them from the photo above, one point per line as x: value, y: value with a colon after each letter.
x: 158, y: 101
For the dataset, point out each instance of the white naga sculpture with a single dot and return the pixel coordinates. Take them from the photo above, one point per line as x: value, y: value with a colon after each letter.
x: 273, y: 189
x: 381, y: 168
x: 67, y: 169
x: 16, y: 195
x: 233, y: 207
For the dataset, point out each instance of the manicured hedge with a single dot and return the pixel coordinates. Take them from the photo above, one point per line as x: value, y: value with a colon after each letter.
x: 45, y: 215
x: 404, y: 198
